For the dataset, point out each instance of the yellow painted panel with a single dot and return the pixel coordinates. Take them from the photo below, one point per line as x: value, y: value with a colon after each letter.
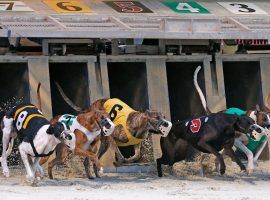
x: 62, y: 6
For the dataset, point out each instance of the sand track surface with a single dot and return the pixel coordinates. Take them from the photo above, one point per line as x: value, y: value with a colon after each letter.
x: 186, y: 184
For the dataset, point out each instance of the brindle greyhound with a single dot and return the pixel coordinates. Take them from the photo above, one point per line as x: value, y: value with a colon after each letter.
x: 87, y: 128
x: 137, y: 126
x: 261, y: 117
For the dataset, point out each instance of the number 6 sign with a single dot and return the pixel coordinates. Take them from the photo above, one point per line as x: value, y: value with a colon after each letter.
x: 62, y: 6
x: 242, y: 8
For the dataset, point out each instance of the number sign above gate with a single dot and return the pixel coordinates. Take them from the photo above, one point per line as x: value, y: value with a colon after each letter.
x: 186, y: 7
x: 15, y: 6
x: 128, y: 6
x: 72, y: 6
x: 242, y: 8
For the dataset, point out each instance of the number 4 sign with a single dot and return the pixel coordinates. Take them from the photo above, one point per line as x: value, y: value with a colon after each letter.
x: 186, y: 7
x: 242, y: 8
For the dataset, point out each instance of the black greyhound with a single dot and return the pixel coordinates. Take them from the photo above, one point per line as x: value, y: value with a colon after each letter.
x: 209, y: 134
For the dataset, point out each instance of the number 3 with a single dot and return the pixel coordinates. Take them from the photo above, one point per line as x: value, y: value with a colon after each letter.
x: 243, y: 6
x: 21, y: 119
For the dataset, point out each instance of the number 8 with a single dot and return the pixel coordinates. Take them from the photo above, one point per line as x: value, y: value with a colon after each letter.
x: 21, y: 119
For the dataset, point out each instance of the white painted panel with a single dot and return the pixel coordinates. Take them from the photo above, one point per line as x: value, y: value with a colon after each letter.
x: 14, y: 6
x: 242, y: 8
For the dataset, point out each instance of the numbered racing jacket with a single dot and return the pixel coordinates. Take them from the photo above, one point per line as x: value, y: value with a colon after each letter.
x: 252, y: 144
x: 73, y: 124
x: 119, y: 112
x: 27, y: 120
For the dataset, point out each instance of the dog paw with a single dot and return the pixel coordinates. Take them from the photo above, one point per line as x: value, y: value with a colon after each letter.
x: 249, y: 171
x: 30, y: 178
x: 6, y: 172
x: 222, y: 170
x: 243, y: 168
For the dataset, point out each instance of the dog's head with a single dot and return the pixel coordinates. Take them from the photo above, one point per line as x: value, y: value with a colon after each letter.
x: 262, y: 117
x: 248, y: 126
x: 66, y: 136
x: 101, y: 118
x: 158, y: 124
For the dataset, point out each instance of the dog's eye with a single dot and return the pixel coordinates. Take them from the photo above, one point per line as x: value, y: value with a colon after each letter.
x: 68, y: 137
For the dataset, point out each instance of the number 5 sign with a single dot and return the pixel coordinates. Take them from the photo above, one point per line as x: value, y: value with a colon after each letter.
x: 62, y: 6
x: 242, y: 8
x: 186, y: 7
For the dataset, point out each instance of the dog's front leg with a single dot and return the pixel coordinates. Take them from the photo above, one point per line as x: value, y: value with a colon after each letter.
x: 249, y: 154
x: 136, y: 156
x: 7, y: 130
x: 92, y: 156
x: 23, y: 151
x: 229, y: 151
x: 202, y: 143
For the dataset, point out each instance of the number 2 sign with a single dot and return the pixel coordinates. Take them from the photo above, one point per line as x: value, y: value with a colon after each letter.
x: 242, y: 8
x: 72, y: 6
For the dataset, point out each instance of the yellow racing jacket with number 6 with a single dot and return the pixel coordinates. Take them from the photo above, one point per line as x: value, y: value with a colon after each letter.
x: 119, y: 112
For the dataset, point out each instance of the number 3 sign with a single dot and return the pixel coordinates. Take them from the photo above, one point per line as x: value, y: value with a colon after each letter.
x: 242, y: 8
x: 62, y: 6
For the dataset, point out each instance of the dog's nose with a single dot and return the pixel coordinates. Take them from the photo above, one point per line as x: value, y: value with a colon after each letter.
x: 258, y: 130
x: 165, y: 124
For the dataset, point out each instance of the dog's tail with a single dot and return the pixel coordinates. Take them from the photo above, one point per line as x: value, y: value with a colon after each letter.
x: 39, y: 98
x: 202, y: 97
x: 67, y: 100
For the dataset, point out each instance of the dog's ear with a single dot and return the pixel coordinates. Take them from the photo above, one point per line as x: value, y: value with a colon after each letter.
x: 51, y: 129
x: 258, y: 109
x: 55, y: 129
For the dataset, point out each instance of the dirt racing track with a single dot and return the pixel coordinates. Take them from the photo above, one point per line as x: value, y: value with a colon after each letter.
x: 187, y: 184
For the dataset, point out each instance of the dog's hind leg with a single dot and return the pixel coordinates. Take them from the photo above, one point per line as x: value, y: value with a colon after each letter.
x: 7, y: 130
x: 23, y: 148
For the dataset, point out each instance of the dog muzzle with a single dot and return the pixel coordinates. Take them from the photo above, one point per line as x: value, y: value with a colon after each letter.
x: 164, y: 127
x: 107, y: 126
x: 256, y: 132
x: 69, y: 139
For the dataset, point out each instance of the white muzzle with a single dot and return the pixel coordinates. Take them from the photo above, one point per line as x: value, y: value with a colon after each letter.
x: 69, y: 139
x: 107, y: 126
x: 165, y: 128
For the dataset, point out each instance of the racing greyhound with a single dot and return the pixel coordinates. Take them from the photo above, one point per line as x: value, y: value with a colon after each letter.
x: 137, y: 125
x: 38, y: 138
x: 208, y: 134
x: 261, y: 117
